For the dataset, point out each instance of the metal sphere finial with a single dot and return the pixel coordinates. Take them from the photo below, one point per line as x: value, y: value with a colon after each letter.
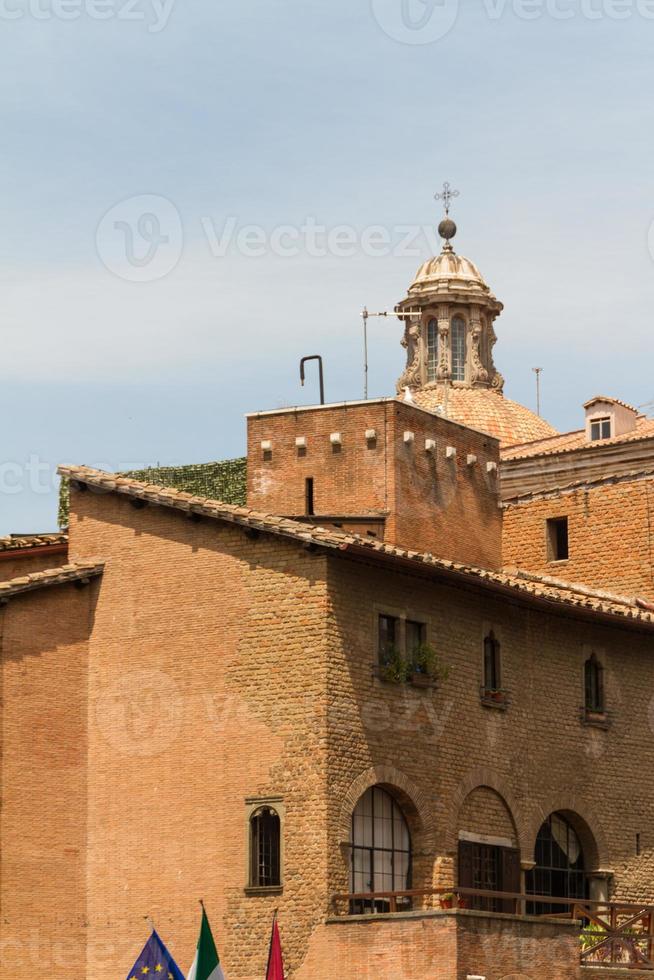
x: 447, y: 229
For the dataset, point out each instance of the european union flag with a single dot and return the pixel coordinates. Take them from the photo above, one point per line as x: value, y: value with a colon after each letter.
x: 155, y: 963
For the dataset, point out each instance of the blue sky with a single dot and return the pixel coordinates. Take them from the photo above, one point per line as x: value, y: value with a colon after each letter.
x: 271, y: 114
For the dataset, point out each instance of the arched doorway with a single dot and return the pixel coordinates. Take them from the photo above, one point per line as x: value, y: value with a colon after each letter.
x: 380, y: 850
x: 560, y: 870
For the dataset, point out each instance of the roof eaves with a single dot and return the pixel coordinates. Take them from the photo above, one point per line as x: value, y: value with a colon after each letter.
x: 356, y: 546
x: 80, y: 571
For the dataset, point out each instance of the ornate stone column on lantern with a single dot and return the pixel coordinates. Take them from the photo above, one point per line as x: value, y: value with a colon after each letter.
x: 449, y: 338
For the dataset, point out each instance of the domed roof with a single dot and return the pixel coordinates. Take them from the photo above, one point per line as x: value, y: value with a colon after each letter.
x: 487, y: 410
x: 447, y: 272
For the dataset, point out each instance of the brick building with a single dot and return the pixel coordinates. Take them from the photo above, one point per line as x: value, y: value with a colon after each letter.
x: 411, y: 669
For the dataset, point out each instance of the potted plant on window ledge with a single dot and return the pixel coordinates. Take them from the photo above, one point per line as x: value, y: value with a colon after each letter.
x: 394, y: 667
x: 426, y: 668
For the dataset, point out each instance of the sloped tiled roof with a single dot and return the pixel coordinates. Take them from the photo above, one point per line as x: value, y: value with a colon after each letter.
x: 608, y: 398
x: 222, y: 480
x: 75, y: 571
x: 487, y: 410
x: 20, y: 542
x: 519, y: 585
x: 571, y: 441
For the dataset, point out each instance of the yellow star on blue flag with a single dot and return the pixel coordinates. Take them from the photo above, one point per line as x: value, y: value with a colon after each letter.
x: 155, y: 961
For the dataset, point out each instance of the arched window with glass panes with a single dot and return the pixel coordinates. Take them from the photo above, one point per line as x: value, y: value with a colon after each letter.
x: 265, y: 848
x: 432, y: 350
x: 560, y: 870
x: 381, y: 850
x: 459, y: 351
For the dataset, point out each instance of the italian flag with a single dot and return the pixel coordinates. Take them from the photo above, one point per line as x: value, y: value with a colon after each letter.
x: 206, y: 965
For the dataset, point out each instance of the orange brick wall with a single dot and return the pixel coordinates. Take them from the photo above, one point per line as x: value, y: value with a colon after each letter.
x: 611, y: 531
x: 43, y: 831
x: 13, y: 566
x: 442, y: 744
x: 433, y: 503
x: 443, y: 946
x: 222, y: 667
x: 200, y: 636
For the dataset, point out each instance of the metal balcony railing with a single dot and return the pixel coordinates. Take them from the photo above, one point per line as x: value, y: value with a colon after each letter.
x: 612, y: 933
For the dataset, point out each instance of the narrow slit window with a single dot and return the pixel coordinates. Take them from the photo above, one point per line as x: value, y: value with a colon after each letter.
x: 308, y: 496
x: 492, y: 666
x: 594, y: 684
x: 388, y: 638
x: 558, y: 544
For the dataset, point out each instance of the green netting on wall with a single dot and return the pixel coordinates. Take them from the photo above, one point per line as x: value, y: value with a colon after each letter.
x: 223, y: 480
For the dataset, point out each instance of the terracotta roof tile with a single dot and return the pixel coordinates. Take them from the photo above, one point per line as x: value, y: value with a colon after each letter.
x: 517, y: 583
x: 19, y: 542
x: 486, y: 410
x: 608, y: 398
x: 73, y: 572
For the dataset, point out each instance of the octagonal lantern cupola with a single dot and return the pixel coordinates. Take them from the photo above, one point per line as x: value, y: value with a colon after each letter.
x: 449, y: 310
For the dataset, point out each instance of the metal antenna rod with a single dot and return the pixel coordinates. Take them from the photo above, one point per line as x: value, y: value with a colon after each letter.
x: 365, y: 316
x: 314, y: 357
x: 537, y: 372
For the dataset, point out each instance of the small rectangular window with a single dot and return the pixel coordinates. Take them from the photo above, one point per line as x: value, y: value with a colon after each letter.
x: 557, y: 539
x: 600, y: 429
x: 308, y: 496
x: 415, y: 636
x: 388, y: 638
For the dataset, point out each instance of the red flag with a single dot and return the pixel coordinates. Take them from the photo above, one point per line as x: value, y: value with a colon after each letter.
x: 275, y: 969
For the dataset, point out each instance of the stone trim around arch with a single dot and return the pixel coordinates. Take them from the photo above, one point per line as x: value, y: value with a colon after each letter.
x: 588, y: 827
x: 388, y: 778
x: 476, y: 779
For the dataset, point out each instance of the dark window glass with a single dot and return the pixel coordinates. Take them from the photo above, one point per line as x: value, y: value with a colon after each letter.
x: 415, y: 636
x: 308, y: 496
x: 388, y: 636
x: 265, y: 848
x: 492, y: 675
x: 600, y: 429
x: 381, y: 850
x: 559, y: 870
x: 594, y: 684
x: 557, y: 539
